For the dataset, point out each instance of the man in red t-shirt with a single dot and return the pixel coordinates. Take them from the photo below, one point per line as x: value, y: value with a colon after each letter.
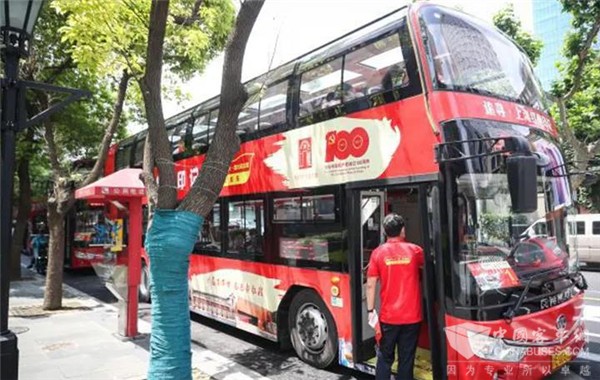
x: 396, y: 264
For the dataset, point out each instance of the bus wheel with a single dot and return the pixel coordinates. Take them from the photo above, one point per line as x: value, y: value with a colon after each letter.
x: 312, y: 329
x: 144, y: 289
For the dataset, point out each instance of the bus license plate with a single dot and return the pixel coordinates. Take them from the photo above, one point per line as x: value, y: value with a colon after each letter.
x: 560, y: 359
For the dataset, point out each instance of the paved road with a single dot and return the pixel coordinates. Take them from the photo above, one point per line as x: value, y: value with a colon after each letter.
x: 266, y: 358
x: 248, y: 350
x: 592, y: 322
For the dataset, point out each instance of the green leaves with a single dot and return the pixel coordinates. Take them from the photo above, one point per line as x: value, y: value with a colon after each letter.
x: 108, y: 36
x: 578, y: 85
x: 507, y: 21
x: 582, y: 108
x: 105, y: 36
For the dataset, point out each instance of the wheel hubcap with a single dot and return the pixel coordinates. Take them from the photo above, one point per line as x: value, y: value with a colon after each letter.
x: 312, y: 328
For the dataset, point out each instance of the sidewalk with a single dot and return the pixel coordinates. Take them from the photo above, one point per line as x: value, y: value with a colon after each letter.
x: 80, y: 341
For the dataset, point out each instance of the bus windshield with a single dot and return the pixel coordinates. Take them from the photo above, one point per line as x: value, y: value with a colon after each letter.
x: 466, y: 55
x: 494, y: 256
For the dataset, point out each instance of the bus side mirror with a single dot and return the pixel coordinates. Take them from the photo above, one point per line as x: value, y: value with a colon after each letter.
x: 522, y: 183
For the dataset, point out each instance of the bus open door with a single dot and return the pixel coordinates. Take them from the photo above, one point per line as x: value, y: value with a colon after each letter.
x: 371, y: 206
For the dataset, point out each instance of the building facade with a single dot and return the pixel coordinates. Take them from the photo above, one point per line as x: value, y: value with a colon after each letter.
x: 551, y: 25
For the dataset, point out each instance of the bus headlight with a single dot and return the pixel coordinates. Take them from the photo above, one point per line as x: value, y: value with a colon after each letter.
x: 487, y: 347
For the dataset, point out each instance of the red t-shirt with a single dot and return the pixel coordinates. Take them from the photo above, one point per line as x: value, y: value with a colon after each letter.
x: 396, y: 263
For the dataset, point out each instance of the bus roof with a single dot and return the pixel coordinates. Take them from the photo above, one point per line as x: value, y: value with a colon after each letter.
x: 306, y: 60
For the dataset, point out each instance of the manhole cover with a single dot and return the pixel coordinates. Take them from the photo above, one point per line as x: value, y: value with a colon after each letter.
x: 19, y: 329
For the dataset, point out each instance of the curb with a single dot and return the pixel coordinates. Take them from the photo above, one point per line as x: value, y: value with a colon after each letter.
x: 201, y: 357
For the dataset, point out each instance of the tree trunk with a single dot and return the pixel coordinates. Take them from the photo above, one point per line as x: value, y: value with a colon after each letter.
x: 173, y: 233
x: 582, y: 153
x: 63, y: 198
x: 21, y: 227
x: 226, y: 143
x: 56, y: 257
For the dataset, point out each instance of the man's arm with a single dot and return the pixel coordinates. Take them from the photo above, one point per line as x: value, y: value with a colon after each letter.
x: 421, y: 257
x: 371, y: 288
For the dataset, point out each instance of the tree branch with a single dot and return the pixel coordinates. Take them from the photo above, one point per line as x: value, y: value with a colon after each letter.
x: 226, y: 143
x: 62, y: 198
x: 57, y: 170
x: 151, y: 91
x: 57, y: 70
x: 583, y: 53
x: 193, y: 17
x: 96, y: 171
x: 136, y: 12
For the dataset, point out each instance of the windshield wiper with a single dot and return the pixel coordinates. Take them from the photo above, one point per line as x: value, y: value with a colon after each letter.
x: 510, y: 313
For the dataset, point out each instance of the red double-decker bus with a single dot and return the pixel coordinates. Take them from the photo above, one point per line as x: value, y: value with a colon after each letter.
x: 427, y: 112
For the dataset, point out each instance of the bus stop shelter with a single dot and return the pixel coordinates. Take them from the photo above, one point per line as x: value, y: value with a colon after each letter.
x: 125, y: 187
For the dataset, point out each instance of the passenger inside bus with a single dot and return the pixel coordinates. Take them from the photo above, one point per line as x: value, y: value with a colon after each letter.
x: 254, y: 241
x: 180, y: 148
x: 210, y: 234
x: 332, y: 99
x: 395, y: 76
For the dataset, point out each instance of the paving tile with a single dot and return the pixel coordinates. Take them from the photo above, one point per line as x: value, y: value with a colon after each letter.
x: 82, y: 344
x: 78, y: 366
x: 40, y: 374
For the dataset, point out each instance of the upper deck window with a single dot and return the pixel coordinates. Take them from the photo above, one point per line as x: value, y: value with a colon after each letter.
x: 380, y: 66
x: 467, y: 55
x: 139, y: 148
x: 200, y: 133
x: 177, y: 138
x: 248, y: 117
x: 320, y: 86
x: 123, y: 159
x: 272, y: 105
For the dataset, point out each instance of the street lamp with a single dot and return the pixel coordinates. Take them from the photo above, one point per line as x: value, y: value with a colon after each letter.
x: 17, y: 19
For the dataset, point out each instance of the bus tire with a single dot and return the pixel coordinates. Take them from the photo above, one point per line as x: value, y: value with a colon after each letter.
x: 144, y: 289
x: 312, y: 329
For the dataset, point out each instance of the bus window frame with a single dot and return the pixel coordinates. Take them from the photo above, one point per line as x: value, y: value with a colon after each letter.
x: 268, y: 86
x: 202, y: 136
x: 339, y: 222
x: 126, y: 148
x: 221, y: 251
x: 414, y: 87
x: 140, y: 140
x: 243, y: 254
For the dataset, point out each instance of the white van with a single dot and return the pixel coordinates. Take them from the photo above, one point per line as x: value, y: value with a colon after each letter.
x: 584, y: 235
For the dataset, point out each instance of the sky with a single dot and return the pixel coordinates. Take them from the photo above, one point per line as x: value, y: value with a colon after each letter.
x: 286, y: 29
